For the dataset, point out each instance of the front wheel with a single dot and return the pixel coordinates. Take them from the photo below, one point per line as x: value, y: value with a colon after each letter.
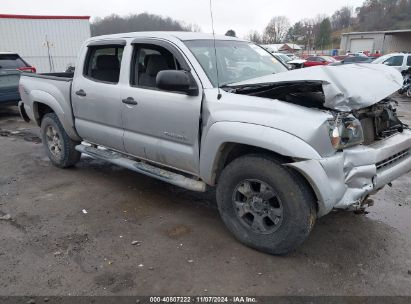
x: 265, y: 205
x: 60, y: 148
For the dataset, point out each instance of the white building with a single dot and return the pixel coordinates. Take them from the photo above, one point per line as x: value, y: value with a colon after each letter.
x: 49, y: 43
x: 384, y: 42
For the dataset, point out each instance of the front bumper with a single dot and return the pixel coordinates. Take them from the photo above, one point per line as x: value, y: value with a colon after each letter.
x: 346, y: 179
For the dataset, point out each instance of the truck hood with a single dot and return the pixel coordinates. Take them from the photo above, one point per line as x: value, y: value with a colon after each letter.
x: 345, y: 88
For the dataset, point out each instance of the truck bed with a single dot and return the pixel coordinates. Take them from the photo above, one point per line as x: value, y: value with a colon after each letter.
x: 52, y: 90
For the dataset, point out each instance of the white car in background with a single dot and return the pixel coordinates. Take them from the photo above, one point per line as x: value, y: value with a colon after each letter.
x: 292, y: 63
x: 400, y: 61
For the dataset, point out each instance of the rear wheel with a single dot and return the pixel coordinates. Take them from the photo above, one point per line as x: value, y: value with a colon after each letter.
x: 266, y: 206
x: 60, y: 148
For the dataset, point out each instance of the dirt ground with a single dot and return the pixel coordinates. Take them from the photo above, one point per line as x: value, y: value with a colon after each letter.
x: 51, y: 247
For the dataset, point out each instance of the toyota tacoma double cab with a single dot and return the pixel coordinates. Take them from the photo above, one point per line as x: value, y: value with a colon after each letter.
x: 282, y: 148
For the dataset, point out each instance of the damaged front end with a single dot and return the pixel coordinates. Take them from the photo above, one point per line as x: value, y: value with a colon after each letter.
x: 372, y: 146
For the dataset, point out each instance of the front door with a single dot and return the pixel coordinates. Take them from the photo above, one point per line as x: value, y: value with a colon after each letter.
x: 160, y: 126
x: 96, y: 97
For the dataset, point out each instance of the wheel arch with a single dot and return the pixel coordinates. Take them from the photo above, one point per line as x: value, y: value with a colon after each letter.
x: 44, y: 103
x: 226, y: 141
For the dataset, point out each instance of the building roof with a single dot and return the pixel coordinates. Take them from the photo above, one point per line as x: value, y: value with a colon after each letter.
x: 292, y: 46
x: 380, y: 32
x: 8, y: 16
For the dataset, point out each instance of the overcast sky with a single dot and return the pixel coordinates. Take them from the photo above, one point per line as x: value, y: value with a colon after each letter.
x: 240, y: 15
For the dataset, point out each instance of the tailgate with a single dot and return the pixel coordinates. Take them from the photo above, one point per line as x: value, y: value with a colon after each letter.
x: 9, y: 84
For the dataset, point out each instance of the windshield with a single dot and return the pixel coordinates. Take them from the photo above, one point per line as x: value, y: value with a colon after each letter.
x: 284, y: 57
x: 381, y: 59
x: 237, y: 60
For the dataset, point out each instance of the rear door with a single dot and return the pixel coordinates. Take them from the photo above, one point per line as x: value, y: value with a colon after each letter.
x: 160, y: 126
x: 408, y: 62
x: 96, y: 95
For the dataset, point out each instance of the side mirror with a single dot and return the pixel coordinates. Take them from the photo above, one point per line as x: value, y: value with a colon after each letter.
x: 177, y: 81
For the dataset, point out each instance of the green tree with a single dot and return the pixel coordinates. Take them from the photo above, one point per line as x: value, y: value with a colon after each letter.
x: 323, y: 39
x: 231, y: 33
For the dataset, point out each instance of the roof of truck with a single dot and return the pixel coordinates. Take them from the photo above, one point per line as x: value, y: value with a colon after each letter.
x: 184, y: 36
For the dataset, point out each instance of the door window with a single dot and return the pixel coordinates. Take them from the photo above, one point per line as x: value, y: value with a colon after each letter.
x: 394, y: 61
x: 409, y: 60
x: 103, y: 63
x: 148, y: 61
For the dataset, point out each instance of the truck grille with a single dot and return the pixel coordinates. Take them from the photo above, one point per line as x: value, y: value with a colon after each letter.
x: 392, y: 160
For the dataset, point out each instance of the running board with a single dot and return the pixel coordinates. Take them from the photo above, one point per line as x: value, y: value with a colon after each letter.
x: 144, y: 168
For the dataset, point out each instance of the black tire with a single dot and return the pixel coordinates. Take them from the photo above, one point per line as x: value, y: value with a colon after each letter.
x: 295, y: 197
x: 67, y: 155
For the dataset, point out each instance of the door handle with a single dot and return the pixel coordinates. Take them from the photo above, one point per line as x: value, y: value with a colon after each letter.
x: 81, y: 93
x: 130, y: 101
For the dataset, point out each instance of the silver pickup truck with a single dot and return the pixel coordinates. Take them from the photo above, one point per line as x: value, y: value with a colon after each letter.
x: 282, y: 147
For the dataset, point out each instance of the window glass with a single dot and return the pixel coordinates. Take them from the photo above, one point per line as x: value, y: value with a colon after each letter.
x: 148, y: 62
x: 356, y: 59
x: 104, y: 63
x: 394, y: 61
x: 11, y: 61
x: 236, y: 60
x: 326, y: 58
x: 409, y: 60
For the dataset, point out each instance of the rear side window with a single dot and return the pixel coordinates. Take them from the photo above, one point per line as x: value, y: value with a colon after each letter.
x: 394, y: 61
x: 103, y: 63
x: 11, y: 61
x: 409, y: 60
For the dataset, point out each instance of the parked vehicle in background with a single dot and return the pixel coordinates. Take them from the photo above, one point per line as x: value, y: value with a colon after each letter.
x: 399, y: 61
x: 352, y: 59
x: 291, y: 63
x: 292, y: 56
x: 406, y: 88
x: 282, y: 147
x: 12, y: 61
x: 282, y: 57
x: 11, y: 66
x: 318, y: 60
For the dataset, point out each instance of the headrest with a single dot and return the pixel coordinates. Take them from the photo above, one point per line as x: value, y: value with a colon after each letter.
x: 107, y: 62
x: 156, y: 63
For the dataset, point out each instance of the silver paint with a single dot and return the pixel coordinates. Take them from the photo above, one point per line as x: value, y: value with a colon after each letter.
x: 339, y: 179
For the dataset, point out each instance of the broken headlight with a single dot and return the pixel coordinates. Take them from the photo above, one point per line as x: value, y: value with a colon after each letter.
x: 345, y: 131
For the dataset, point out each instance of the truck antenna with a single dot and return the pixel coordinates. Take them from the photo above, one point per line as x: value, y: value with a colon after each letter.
x: 215, y: 51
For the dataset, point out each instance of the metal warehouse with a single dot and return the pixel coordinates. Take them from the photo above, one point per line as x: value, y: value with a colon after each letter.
x: 383, y: 41
x: 49, y: 43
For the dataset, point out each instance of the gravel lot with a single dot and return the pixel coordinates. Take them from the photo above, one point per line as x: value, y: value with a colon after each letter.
x: 51, y: 247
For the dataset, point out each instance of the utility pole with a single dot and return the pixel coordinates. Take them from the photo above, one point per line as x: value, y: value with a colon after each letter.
x: 48, y: 44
